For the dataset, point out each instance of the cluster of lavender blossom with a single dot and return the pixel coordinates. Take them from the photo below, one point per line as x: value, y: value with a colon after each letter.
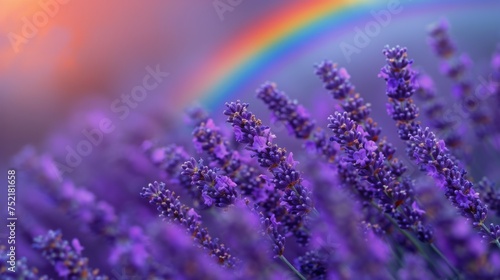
x: 237, y: 205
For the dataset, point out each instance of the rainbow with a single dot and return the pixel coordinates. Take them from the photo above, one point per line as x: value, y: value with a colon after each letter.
x: 278, y: 36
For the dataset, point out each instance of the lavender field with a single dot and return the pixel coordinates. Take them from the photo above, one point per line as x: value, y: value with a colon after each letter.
x: 374, y: 157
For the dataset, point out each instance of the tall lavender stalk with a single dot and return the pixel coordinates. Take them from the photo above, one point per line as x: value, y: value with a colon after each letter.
x: 207, y: 137
x: 371, y: 156
x: 287, y: 181
x: 390, y: 194
x: 409, y: 217
x: 250, y: 130
x: 170, y: 160
x: 171, y: 208
x: 217, y: 190
x: 284, y: 109
x: 347, y: 173
x: 425, y: 148
x: 297, y: 119
x: 460, y: 243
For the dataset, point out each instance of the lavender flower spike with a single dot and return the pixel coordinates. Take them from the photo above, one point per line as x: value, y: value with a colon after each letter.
x: 393, y: 196
x: 170, y: 207
x: 284, y: 109
x: 400, y: 81
x: 297, y: 119
x: 248, y: 129
x: 208, y: 138
x: 336, y: 81
x: 424, y: 147
x: 217, y: 190
x: 432, y: 154
x: 67, y: 260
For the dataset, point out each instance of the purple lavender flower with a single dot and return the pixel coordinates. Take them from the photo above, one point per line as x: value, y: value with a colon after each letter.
x: 296, y: 117
x: 392, y: 195
x: 326, y: 149
x: 66, y: 259
x: 258, y: 139
x: 286, y: 110
x: 170, y: 207
x: 349, y: 176
x: 271, y: 228
x: 461, y: 245
x: 209, y: 139
x: 400, y: 80
x: 245, y: 125
x: 427, y: 150
x: 336, y: 80
x: 290, y: 199
x: 217, y: 190
x: 431, y: 153
x: 297, y: 201
x: 271, y: 206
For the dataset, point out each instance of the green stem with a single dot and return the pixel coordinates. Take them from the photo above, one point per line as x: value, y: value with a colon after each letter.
x: 283, y: 258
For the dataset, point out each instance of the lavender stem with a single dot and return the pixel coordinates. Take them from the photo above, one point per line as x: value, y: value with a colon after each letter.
x: 284, y: 259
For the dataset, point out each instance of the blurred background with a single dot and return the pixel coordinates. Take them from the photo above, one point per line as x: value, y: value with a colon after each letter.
x: 86, y: 52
